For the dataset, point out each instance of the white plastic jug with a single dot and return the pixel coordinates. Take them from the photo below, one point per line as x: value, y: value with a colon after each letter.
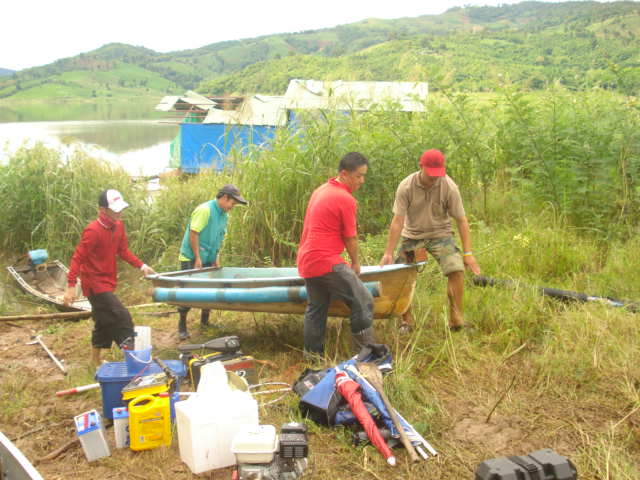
x: 142, y: 339
x: 213, y: 379
x: 207, y: 424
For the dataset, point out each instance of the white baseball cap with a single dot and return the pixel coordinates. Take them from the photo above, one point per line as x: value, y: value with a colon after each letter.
x: 112, y: 199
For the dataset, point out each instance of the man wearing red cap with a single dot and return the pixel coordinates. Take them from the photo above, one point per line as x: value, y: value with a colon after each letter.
x: 424, y: 204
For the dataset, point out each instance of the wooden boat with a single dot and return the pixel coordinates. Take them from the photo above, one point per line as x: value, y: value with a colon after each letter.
x: 395, y: 285
x: 48, y: 282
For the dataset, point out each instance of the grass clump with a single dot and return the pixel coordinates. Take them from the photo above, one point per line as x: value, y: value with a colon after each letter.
x: 50, y: 198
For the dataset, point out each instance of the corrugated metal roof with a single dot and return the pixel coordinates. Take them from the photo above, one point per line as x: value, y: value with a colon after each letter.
x: 341, y: 95
x: 255, y: 110
x: 168, y: 103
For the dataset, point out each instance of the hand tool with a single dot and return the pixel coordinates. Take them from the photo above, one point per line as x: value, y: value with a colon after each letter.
x: 426, y: 444
x: 82, y: 388
x: 53, y: 357
x: 227, y: 344
x: 373, y: 374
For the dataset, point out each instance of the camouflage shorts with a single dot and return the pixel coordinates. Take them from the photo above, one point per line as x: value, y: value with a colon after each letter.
x: 444, y: 250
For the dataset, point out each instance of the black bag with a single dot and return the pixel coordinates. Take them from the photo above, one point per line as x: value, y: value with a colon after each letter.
x: 307, y: 380
x: 539, y: 465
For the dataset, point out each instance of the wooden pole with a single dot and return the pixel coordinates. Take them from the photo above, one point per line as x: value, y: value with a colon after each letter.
x: 71, y: 315
x: 371, y: 372
x: 58, y: 451
x: 46, y: 316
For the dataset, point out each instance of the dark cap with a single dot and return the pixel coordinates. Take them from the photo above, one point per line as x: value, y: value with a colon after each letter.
x: 233, y: 192
x: 433, y: 162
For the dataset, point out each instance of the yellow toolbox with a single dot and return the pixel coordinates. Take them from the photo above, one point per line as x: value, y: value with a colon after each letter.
x: 146, y: 385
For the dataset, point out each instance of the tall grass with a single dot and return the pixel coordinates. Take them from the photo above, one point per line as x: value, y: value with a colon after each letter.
x: 511, y: 154
x: 579, y: 152
x: 48, y: 199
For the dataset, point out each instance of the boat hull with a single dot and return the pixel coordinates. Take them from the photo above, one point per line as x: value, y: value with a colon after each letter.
x: 13, y: 464
x: 396, y: 288
x: 47, y: 282
x: 295, y: 294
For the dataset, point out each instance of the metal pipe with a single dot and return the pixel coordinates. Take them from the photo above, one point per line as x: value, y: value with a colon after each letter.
x: 241, y: 295
x: 53, y: 357
x: 568, y: 295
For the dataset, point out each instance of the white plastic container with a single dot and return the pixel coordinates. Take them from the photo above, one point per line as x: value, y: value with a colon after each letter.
x: 207, y: 424
x: 92, y: 435
x: 213, y: 379
x: 142, y: 338
x: 255, y: 444
x: 121, y: 426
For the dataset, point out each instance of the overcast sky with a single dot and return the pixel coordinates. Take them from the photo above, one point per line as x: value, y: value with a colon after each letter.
x: 37, y: 32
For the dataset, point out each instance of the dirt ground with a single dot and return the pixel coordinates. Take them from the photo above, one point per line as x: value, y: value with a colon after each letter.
x: 41, y: 422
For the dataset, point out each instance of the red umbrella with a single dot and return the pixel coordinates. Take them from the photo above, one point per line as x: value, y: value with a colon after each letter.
x: 350, y: 390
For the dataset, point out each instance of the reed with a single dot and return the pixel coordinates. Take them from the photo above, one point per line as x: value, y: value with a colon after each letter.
x: 50, y: 197
x: 575, y: 153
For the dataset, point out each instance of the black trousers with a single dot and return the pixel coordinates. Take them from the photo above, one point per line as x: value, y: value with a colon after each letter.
x: 341, y: 283
x: 188, y: 266
x: 112, y: 321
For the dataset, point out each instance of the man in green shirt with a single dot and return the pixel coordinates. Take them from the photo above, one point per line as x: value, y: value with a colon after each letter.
x: 203, y: 238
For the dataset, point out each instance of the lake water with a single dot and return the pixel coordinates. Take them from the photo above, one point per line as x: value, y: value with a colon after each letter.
x: 129, y: 134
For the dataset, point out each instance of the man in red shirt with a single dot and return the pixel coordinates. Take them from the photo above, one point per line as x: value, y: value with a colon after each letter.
x: 330, y: 228
x: 95, y: 261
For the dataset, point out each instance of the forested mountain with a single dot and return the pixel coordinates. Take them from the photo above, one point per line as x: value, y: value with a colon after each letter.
x: 531, y: 44
x: 6, y: 71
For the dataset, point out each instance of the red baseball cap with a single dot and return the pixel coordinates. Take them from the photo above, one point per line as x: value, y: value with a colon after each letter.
x: 433, y: 161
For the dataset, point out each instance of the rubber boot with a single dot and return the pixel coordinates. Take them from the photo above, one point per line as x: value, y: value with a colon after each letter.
x: 182, y: 327
x: 362, y: 339
x: 204, y: 318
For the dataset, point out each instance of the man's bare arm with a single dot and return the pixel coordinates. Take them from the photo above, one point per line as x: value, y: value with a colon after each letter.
x: 194, y: 241
x: 351, y: 244
x: 395, y: 230
x: 465, y: 238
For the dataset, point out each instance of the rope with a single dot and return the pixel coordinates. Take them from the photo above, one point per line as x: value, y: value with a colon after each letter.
x: 266, y: 392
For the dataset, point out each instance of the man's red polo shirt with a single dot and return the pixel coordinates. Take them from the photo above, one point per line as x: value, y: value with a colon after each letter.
x: 330, y: 218
x: 95, y: 258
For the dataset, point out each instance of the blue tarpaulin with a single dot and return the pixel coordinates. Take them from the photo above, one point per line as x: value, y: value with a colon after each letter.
x: 206, y: 145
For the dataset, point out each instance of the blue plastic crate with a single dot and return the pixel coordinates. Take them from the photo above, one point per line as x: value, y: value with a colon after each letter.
x: 114, y: 376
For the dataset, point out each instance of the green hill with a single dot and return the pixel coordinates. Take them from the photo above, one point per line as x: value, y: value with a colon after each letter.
x: 579, y: 44
x: 531, y: 44
x: 6, y: 71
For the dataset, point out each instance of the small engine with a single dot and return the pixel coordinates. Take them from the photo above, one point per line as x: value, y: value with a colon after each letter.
x: 289, y: 461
